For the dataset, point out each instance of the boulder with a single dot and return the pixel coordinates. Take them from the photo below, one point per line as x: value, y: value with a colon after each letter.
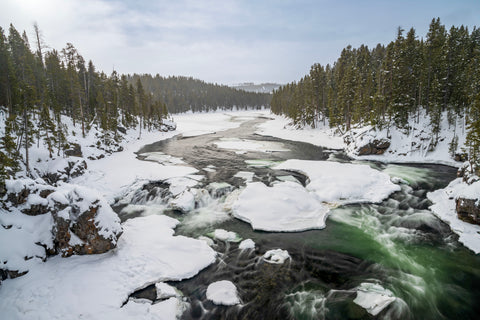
x: 122, y: 130
x: 461, y: 157
x: 75, y: 150
x: 84, y: 232
x: 374, y: 147
x: 468, y: 210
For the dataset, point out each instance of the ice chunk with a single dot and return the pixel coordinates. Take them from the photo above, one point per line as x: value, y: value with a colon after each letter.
x: 165, y: 291
x: 223, y: 292
x: 373, y: 297
x: 246, y: 175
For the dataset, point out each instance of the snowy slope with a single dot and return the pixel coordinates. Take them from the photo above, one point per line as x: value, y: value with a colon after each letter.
x: 412, y: 146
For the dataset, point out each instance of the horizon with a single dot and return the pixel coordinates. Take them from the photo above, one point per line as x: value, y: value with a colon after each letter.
x: 225, y: 42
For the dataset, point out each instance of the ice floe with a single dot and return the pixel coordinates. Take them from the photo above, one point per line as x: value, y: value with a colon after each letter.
x: 343, y: 182
x: 223, y: 292
x: 373, y: 297
x: 285, y: 206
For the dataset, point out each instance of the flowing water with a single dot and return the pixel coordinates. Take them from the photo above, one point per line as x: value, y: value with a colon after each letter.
x: 397, y: 244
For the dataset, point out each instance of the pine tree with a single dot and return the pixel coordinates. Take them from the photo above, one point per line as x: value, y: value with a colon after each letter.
x: 473, y: 135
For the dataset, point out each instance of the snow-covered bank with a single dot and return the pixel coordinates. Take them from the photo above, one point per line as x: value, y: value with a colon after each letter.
x: 96, y: 287
x: 280, y: 127
x: 444, y: 208
x: 414, y: 146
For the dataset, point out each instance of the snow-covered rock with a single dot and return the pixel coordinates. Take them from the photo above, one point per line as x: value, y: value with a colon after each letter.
x: 39, y: 220
x: 96, y: 286
x: 223, y: 292
x: 246, y: 244
x: 226, y: 236
x: 218, y: 189
x: 184, y: 202
x: 444, y: 207
x: 276, y: 256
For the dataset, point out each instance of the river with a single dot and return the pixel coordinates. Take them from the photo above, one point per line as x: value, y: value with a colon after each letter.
x: 397, y: 244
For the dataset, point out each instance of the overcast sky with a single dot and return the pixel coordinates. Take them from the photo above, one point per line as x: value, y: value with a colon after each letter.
x: 226, y: 41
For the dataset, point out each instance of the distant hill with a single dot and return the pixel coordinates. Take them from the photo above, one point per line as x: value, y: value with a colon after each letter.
x: 258, y: 88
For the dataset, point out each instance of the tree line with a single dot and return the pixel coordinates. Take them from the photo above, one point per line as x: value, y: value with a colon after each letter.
x: 183, y: 94
x: 390, y: 85
x: 39, y: 86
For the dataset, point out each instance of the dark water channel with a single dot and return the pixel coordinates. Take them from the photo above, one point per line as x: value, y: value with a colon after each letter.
x: 397, y: 244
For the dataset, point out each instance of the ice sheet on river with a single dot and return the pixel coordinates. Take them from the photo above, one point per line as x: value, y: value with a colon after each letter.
x: 288, y: 206
x: 96, y: 286
x: 343, y: 182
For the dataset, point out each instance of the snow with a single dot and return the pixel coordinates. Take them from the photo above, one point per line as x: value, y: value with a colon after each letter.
x: 259, y: 163
x: 412, y: 146
x: 161, y: 158
x: 180, y: 184
x: 95, y: 286
x: 373, y: 297
x: 184, y: 202
x: 245, y: 175
x: 190, y: 125
x: 26, y: 234
x: 223, y: 292
x: 20, y: 240
x: 343, y: 182
x: 250, y: 145
x: 280, y: 127
x: 444, y: 208
x: 246, y: 244
x: 226, y: 236
x: 164, y: 310
x: 286, y: 206
x: 165, y: 291
x: 276, y: 256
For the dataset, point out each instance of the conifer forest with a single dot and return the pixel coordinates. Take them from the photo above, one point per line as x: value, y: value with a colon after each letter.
x: 390, y: 84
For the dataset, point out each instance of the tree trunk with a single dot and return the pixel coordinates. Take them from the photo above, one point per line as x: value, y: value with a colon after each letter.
x: 25, y: 126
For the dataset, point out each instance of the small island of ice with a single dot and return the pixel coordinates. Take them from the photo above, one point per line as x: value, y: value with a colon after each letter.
x: 223, y: 292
